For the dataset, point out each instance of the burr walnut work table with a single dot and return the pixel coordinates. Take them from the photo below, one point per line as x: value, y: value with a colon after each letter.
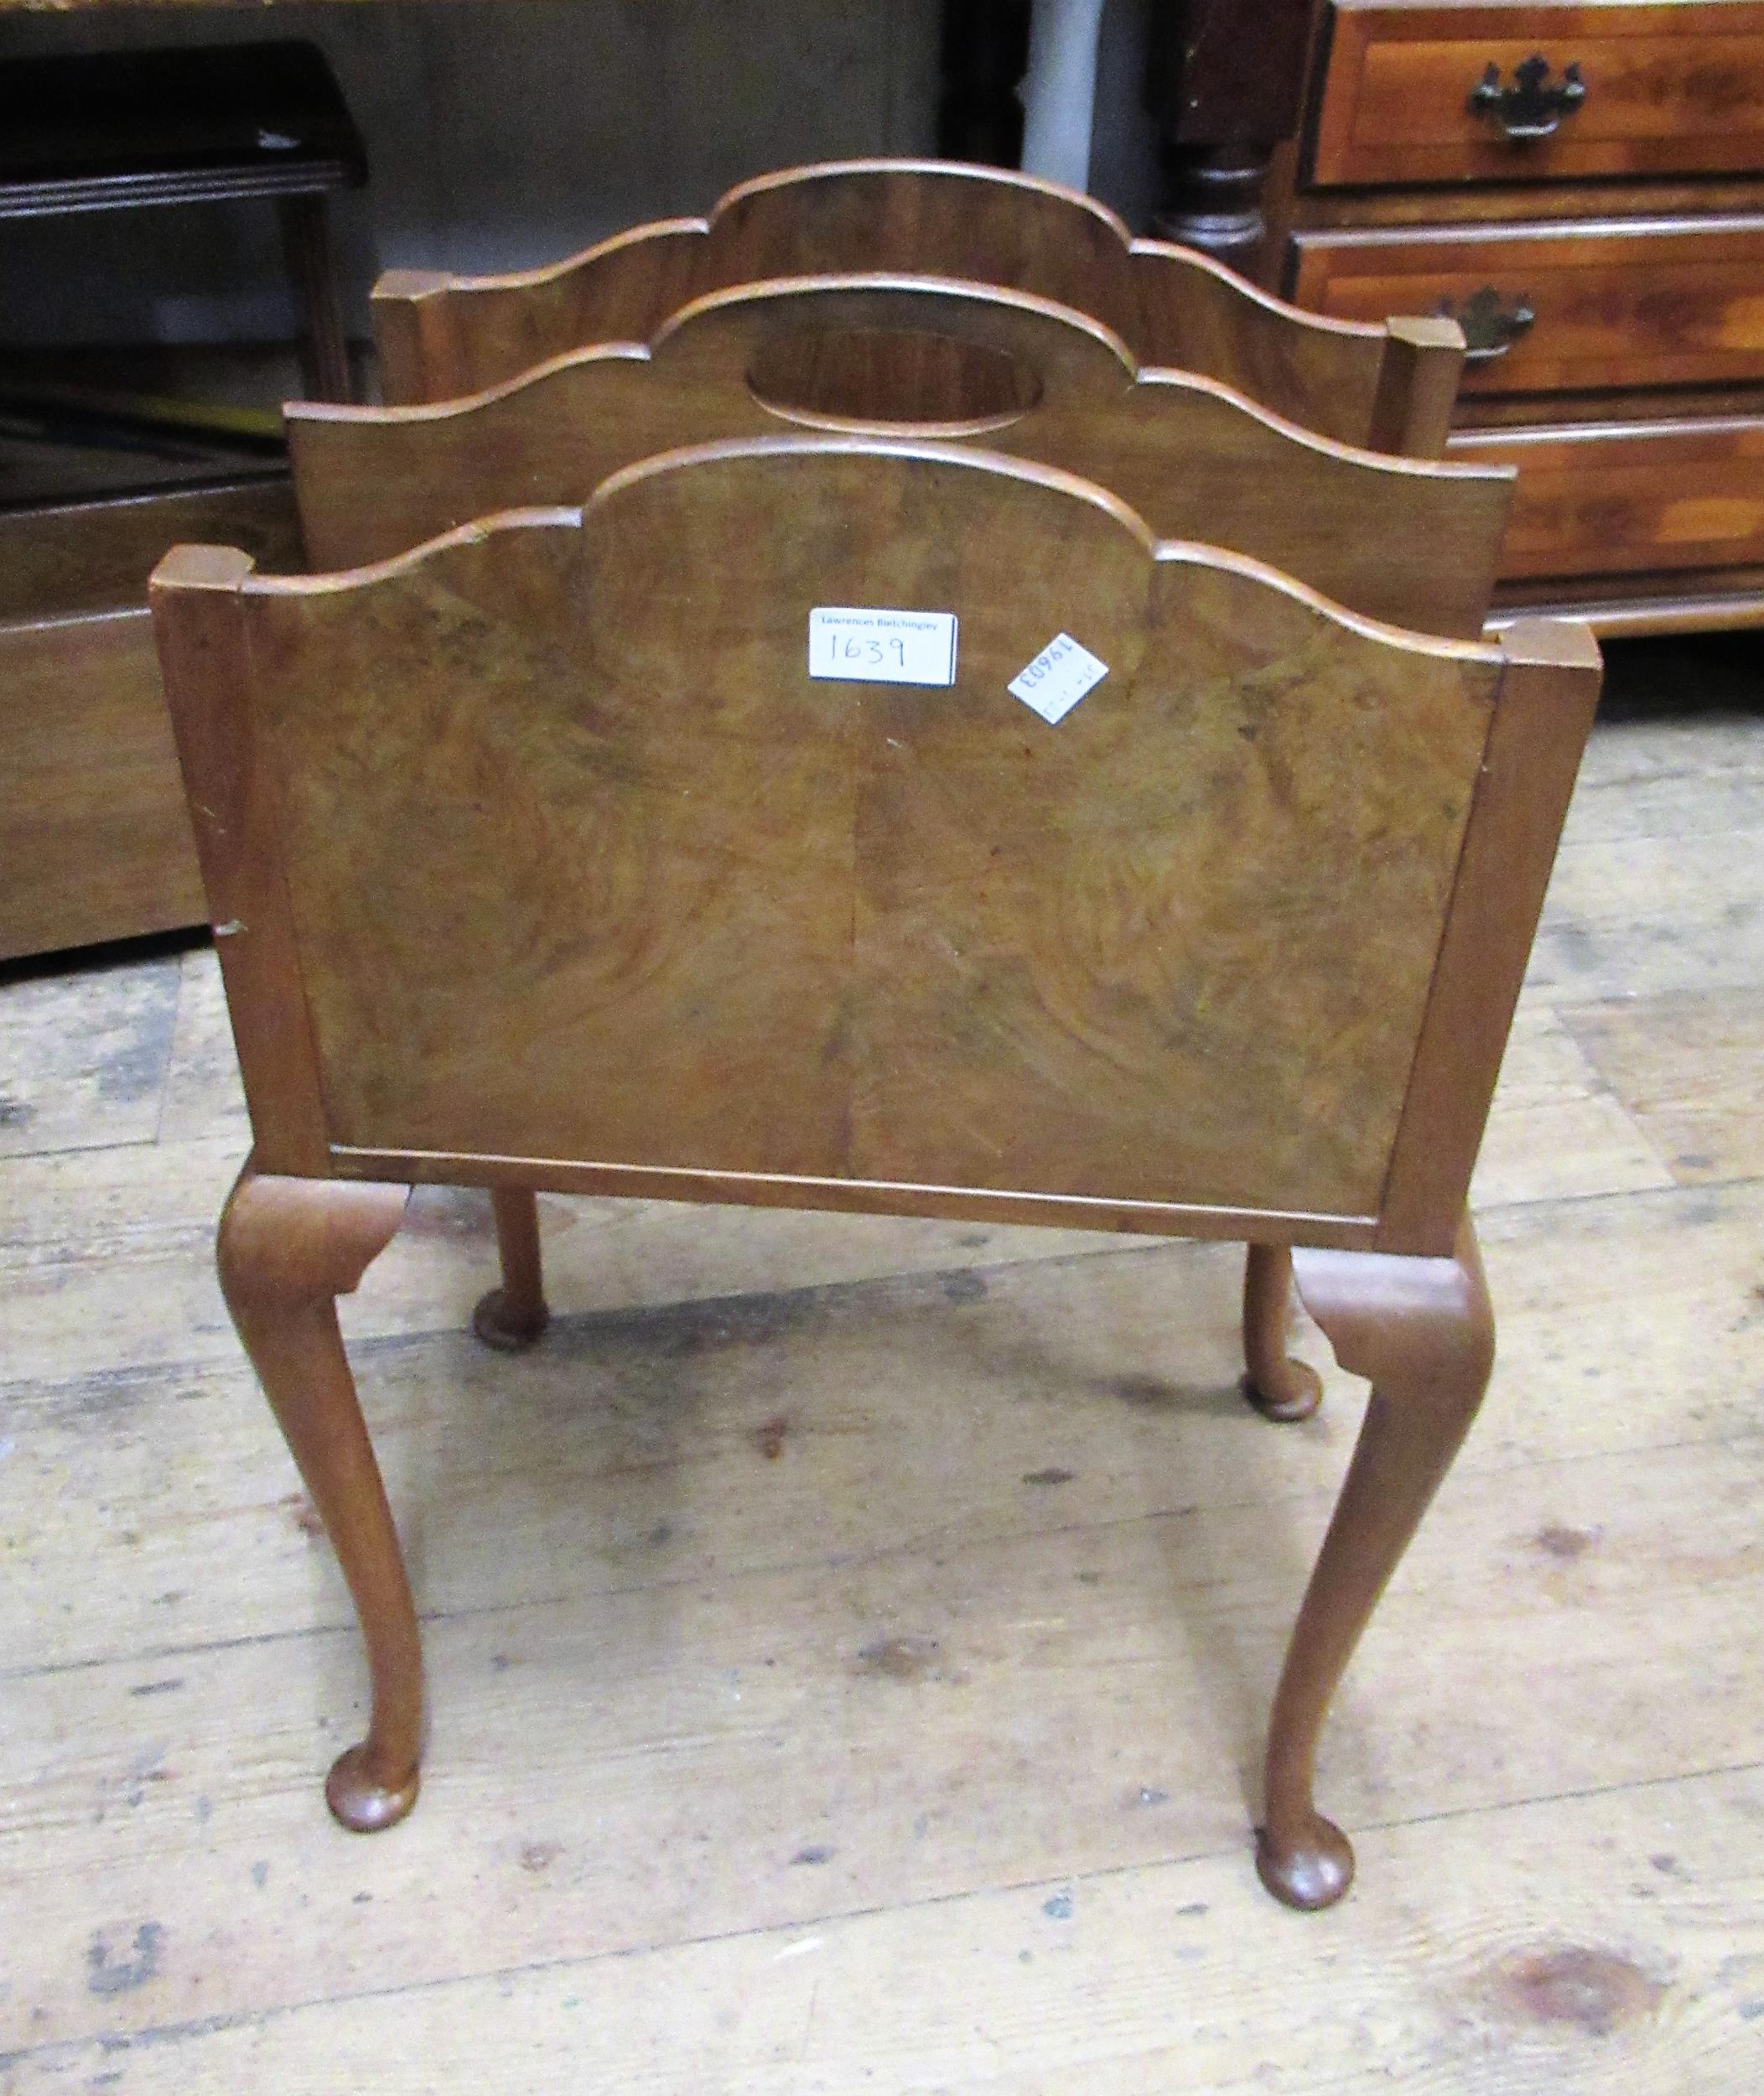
x: 567, y: 852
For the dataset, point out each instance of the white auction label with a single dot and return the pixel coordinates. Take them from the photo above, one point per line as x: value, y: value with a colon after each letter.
x: 866, y: 646
x: 1058, y: 678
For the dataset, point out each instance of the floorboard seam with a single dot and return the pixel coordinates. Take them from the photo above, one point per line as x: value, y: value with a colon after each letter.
x: 161, y: 2034
x: 1736, y: 1444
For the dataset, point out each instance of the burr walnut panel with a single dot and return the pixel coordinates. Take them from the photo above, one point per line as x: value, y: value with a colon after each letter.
x: 1394, y: 538
x: 583, y: 864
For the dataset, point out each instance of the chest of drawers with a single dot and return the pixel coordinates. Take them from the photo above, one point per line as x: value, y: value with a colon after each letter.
x: 1583, y: 188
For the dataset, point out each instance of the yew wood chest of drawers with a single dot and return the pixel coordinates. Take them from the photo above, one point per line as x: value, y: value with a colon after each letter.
x: 1583, y: 188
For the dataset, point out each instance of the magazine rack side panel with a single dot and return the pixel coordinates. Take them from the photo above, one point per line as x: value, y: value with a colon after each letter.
x: 585, y: 865
x: 1415, y: 544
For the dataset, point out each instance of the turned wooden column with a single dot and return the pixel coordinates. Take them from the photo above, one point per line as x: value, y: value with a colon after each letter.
x: 1224, y: 80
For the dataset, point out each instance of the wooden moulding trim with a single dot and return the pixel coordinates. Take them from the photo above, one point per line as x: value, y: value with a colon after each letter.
x: 1473, y: 232
x: 482, y: 528
x: 1271, y: 577
x: 1706, y: 613
x: 997, y: 466
x: 958, y: 170
x: 1011, y: 177
x: 1419, y: 376
x: 1541, y: 716
x: 1264, y: 301
x: 395, y: 285
x: 196, y: 593
x: 857, y: 1196
x: 398, y: 285
x: 421, y: 317
x: 1009, y: 466
x: 771, y: 297
x: 344, y: 411
x: 1004, y: 465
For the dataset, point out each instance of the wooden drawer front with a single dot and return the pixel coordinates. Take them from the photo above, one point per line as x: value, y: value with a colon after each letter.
x: 1668, y: 88
x: 97, y: 556
x: 1634, y: 303
x: 97, y: 843
x: 1601, y: 498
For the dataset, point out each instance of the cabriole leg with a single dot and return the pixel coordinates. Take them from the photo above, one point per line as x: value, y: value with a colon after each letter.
x: 288, y: 1248
x: 1422, y: 1330
x: 512, y: 1317
x: 1279, y: 1387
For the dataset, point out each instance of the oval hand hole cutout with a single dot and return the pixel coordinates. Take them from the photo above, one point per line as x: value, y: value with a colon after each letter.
x: 892, y: 378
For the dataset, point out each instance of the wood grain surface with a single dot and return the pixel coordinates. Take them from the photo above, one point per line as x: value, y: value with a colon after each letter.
x: 440, y: 336
x: 1390, y: 537
x: 567, y: 824
x: 96, y: 838
x: 1670, y: 88
x: 551, y: 859
x: 96, y: 556
x: 232, y: 789
x: 1014, y: 1581
x: 1629, y: 496
x: 1621, y: 302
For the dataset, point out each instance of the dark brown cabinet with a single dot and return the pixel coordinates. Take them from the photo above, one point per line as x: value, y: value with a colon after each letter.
x: 1583, y: 189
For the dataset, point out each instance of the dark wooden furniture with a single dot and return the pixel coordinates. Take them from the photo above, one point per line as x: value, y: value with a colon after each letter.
x: 1385, y: 384
x: 537, y: 858
x: 1583, y: 189
x: 983, y: 56
x: 123, y: 130
x: 98, y: 843
x: 1224, y: 81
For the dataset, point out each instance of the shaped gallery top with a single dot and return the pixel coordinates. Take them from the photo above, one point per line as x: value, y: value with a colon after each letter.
x: 1409, y: 541
x: 1389, y: 387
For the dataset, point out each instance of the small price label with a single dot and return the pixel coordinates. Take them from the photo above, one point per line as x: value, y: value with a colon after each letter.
x: 1058, y: 678
x: 861, y: 646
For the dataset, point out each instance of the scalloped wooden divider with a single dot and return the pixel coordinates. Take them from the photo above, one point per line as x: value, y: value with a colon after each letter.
x: 540, y: 859
x: 1411, y: 543
x: 1389, y: 388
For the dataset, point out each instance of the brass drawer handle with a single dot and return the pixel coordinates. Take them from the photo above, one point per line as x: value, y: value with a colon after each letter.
x: 1490, y: 329
x: 1528, y: 109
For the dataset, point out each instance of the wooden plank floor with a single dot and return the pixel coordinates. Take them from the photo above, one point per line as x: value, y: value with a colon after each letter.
x: 849, y: 1641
